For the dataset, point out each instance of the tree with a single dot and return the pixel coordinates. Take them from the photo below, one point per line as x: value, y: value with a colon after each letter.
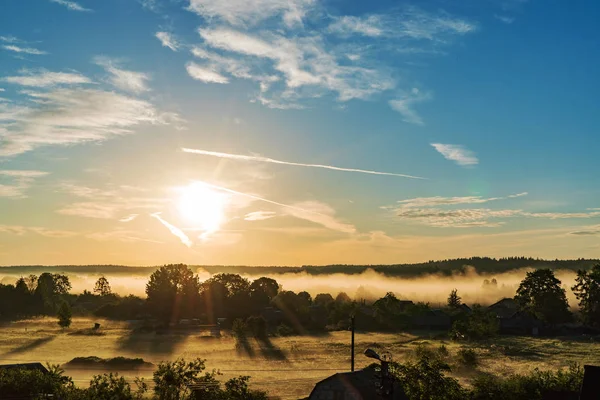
x: 454, y: 299
x: 172, y: 380
x: 480, y: 324
x: 49, y: 289
x: 64, y: 315
x: 102, y: 287
x: 173, y: 292
x: 587, y: 291
x: 323, y: 299
x: 540, y: 293
x: 342, y: 297
x: 112, y: 386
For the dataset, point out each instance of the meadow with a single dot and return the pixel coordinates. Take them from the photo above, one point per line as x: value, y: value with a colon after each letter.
x: 287, y: 367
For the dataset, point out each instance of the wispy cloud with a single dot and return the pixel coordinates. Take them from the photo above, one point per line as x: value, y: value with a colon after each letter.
x: 442, y: 212
x: 168, y: 40
x: 203, y: 74
x: 306, y: 67
x: 22, y: 230
x: 405, y: 104
x: 129, y: 81
x: 505, y: 19
x: 444, y: 201
x: 319, y: 213
x: 129, y: 218
x: 24, y: 50
x: 411, y: 23
x: 43, y: 78
x: 71, y: 5
x: 174, y: 230
x: 371, y: 25
x: 109, y: 203
x: 21, y: 181
x: 120, y: 235
x: 251, y: 12
x: 68, y: 116
x: 259, y: 215
x: 588, y: 231
x: 313, y: 211
x: 457, y: 153
x: 240, y: 157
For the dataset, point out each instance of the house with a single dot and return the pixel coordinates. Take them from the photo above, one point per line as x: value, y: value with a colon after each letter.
x: 24, y: 392
x: 359, y: 385
x: 35, y: 366
x: 464, y: 308
x: 511, y: 320
x: 432, y: 319
x: 504, y: 308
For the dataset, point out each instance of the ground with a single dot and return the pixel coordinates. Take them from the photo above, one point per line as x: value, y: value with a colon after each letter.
x: 288, y: 366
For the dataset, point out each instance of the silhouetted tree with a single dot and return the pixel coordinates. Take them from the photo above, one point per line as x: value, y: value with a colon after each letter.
x: 454, y: 300
x: 540, y: 293
x: 64, y: 315
x: 342, y: 297
x: 102, y: 287
x: 587, y: 291
x: 262, y: 291
x: 323, y: 299
x: 172, y: 292
x: 49, y: 289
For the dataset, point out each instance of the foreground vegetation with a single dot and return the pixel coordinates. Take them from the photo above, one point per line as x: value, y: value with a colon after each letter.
x: 424, y: 378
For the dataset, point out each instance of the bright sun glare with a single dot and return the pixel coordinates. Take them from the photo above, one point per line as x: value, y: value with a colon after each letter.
x: 202, y: 206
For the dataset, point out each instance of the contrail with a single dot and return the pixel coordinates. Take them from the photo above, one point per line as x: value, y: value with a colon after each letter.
x: 258, y: 198
x: 174, y: 230
x: 241, y: 157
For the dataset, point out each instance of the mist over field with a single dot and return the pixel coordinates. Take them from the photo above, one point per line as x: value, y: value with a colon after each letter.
x: 368, y: 285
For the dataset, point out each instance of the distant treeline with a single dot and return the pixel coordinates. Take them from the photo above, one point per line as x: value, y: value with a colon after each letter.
x: 459, y: 266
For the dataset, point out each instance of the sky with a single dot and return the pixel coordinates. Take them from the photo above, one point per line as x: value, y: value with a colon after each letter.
x: 293, y: 132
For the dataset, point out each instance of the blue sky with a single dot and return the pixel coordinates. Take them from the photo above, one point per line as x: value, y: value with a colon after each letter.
x: 205, y: 131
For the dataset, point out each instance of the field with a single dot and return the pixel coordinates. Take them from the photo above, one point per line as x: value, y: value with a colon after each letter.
x: 287, y: 367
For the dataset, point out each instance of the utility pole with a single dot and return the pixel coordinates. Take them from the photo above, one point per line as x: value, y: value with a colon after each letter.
x: 352, y: 344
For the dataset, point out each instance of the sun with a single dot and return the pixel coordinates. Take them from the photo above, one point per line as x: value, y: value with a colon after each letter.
x: 202, y: 206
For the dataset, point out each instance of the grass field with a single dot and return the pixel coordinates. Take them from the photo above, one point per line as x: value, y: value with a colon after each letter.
x: 287, y: 367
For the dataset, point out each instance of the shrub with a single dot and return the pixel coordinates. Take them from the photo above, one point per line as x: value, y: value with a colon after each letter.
x: 284, y: 330
x: 468, y: 357
x: 425, y: 379
x: 239, y: 328
x: 539, y: 385
x: 481, y: 324
x: 442, y: 351
x: 112, y: 386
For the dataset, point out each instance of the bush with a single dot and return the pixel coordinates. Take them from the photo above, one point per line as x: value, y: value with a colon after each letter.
x: 112, y: 386
x: 239, y: 328
x: 425, y: 379
x: 284, y: 330
x: 442, y: 351
x: 539, y: 385
x: 468, y: 357
x: 27, y: 383
x: 481, y: 324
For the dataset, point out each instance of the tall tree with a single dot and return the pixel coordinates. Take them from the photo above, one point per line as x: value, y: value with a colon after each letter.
x: 262, y: 291
x: 587, y: 291
x: 540, y: 293
x: 173, y: 292
x: 102, y: 287
x: 49, y: 289
x: 454, y: 300
x: 64, y: 315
